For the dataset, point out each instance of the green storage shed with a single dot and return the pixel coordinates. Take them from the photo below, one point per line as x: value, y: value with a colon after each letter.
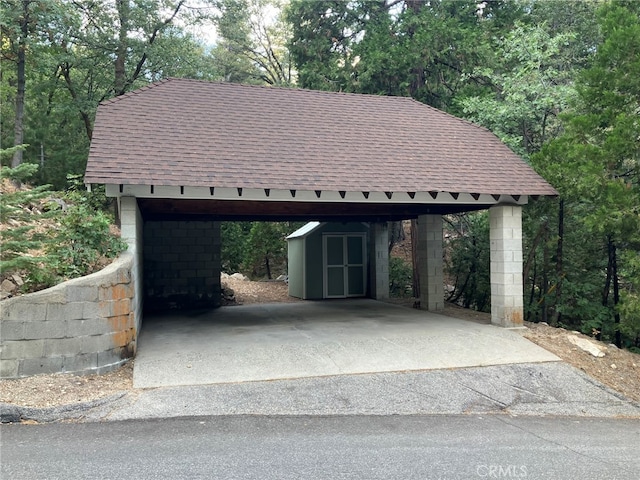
x: 329, y: 260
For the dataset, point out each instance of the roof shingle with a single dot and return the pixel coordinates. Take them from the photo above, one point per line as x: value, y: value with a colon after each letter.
x: 195, y: 133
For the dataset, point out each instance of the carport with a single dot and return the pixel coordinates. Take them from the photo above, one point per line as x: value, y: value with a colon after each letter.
x: 182, y: 155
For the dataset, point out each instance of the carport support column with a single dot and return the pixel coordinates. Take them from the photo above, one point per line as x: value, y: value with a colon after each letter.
x: 430, y: 262
x: 131, y: 232
x: 130, y: 223
x: 505, y: 235
x: 380, y: 261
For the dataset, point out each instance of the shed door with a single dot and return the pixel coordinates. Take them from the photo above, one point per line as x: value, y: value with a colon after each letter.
x: 344, y: 265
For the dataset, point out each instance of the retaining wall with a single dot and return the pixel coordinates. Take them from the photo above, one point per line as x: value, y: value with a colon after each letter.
x: 86, y: 325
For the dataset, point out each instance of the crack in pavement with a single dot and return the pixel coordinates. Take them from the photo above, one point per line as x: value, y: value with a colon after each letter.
x: 504, y: 405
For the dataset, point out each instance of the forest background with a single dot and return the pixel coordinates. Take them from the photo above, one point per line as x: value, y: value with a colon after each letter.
x: 557, y: 81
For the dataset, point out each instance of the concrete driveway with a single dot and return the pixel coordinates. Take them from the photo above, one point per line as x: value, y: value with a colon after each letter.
x: 313, y: 339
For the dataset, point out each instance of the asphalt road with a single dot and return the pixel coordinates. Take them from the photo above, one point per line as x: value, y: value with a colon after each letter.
x: 351, y: 447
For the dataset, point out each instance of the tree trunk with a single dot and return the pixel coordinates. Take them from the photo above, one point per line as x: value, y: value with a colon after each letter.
x: 414, y: 5
x: 396, y: 234
x: 531, y: 255
x: 267, y: 266
x: 65, y: 69
x: 531, y: 259
x: 610, y: 274
x: 607, y: 282
x: 18, y: 138
x: 121, y: 51
x: 532, y: 315
x: 616, y: 296
x: 545, y: 274
x: 473, y: 288
x: 414, y: 260
x: 555, y: 319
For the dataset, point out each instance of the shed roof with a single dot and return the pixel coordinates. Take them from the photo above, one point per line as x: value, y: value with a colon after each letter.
x: 202, y: 134
x: 305, y: 230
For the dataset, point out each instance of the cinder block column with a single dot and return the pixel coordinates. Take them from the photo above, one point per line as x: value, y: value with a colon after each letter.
x: 430, y: 262
x: 379, y: 261
x: 131, y: 231
x: 130, y: 222
x: 506, y: 265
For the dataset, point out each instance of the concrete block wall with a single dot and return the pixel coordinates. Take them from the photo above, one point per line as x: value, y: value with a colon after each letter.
x: 430, y: 262
x: 181, y: 264
x: 379, y: 261
x: 505, y: 236
x: 86, y: 325
x: 131, y: 230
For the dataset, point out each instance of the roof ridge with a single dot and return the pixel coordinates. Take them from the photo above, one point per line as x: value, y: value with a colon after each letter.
x: 285, y: 88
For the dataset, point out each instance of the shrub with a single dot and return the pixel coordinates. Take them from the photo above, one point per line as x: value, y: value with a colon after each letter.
x: 400, y: 278
x: 49, y: 236
x: 82, y: 239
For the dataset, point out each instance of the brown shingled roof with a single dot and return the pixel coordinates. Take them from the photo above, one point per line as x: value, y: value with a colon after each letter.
x: 194, y: 133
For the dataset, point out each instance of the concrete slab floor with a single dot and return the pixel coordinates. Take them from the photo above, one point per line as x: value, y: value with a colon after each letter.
x: 312, y: 339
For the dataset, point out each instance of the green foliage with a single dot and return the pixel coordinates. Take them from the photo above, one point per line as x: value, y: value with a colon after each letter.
x: 234, y: 243
x: 15, y: 174
x: 81, y: 241
x: 321, y: 41
x: 400, y: 278
x: 581, y: 307
x: 15, y: 244
x: 418, y: 49
x: 629, y: 307
x: 18, y: 207
x: 595, y: 165
x: 532, y: 83
x: 179, y: 54
x: 95, y: 200
x: 467, y: 259
x: 266, y: 249
x: 426, y: 50
x: 19, y: 174
x: 256, y: 249
x: 71, y: 237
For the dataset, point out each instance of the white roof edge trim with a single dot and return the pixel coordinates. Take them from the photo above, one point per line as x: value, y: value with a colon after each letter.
x: 305, y: 230
x: 283, y: 195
